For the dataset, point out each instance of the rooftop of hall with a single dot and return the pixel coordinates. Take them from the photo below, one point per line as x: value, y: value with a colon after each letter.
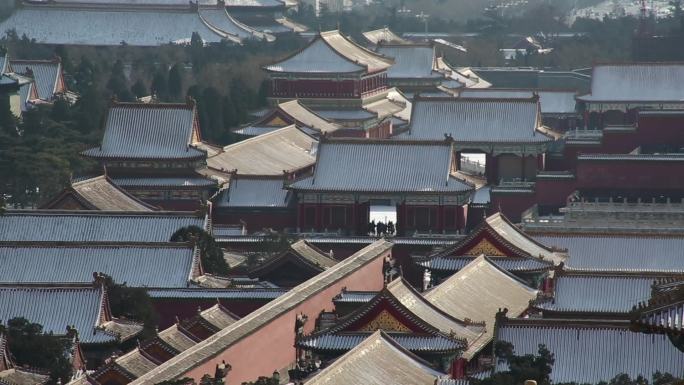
x: 636, y: 82
x: 98, y: 193
x: 149, y: 131
x: 170, y: 265
x: 477, y: 120
x: 591, y: 345
x: 57, y: 308
x: 397, y: 166
x: 332, y: 52
x: 95, y: 226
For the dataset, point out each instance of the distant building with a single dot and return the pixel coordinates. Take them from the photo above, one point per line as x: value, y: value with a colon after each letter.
x: 152, y: 151
x: 98, y: 193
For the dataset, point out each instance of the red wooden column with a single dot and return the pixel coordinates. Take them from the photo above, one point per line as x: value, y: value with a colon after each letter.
x: 354, y: 220
x: 440, y: 218
x: 300, y: 216
x: 319, y: 214
x: 523, y: 159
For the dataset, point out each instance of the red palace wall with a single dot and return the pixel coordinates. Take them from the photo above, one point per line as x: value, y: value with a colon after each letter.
x: 272, y: 346
x: 512, y: 205
x: 175, y: 205
x: 327, y: 88
x: 630, y: 175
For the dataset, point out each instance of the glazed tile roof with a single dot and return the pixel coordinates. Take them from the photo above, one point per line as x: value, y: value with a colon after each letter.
x: 378, y: 360
x: 190, y: 181
x: 331, y: 52
x: 93, y: 226
x: 137, y: 266
x: 4, y: 64
x: 306, y: 117
x: 46, y: 74
x: 313, y: 254
x: 21, y: 377
x: 508, y: 264
x: 57, y: 307
x: 620, y: 253
x: 411, y: 342
x: 476, y: 120
x: 598, y: 294
x: 663, y: 319
x: 264, y: 315
x: 601, y: 351
x: 254, y: 3
x: 345, y: 165
x: 227, y: 294
x: 135, y: 363
x: 411, y: 61
x: 148, y: 131
x: 383, y: 35
x: 288, y: 148
x: 218, y: 317
x: 100, y: 193
x: 355, y: 296
x: 648, y: 82
x: 254, y: 192
x: 477, y: 292
x: 345, y: 114
x: 531, y: 245
x: 107, y: 27
x: 551, y: 101
x: 221, y: 20
x: 172, y: 3
x: 175, y: 338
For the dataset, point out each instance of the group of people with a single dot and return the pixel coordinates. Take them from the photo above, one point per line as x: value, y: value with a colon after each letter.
x: 381, y: 229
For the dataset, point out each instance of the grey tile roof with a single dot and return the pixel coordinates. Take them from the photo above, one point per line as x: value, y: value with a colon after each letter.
x: 331, y: 52
x: 383, y: 166
x: 218, y: 316
x: 508, y: 264
x: 551, y: 101
x: 265, y: 314
x: 107, y: 27
x: 190, y: 181
x: 345, y: 114
x: 648, y: 82
x: 254, y: 3
x: 254, y: 192
x: 176, y: 338
x: 45, y: 74
x: 412, y: 342
x: 135, y: 363
x: 514, y: 235
x: 137, y: 266
x: 170, y: 3
x: 355, y: 296
x: 593, y: 353
x: 477, y: 292
x: 411, y: 62
x: 148, y: 131
x: 4, y: 61
x: 306, y: 117
x: 93, y: 226
x: 620, y: 253
x: 221, y: 20
x: 598, y: 294
x: 16, y: 376
x: 288, y: 148
x: 228, y: 294
x: 102, y: 194
x: 476, y: 120
x: 55, y: 308
x: 663, y: 318
x: 378, y: 360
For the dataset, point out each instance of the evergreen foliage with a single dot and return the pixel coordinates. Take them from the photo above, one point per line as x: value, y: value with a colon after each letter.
x: 210, y: 252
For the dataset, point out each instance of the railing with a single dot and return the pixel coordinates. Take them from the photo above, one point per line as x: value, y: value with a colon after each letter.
x: 583, y: 134
x: 623, y: 206
x: 473, y: 167
x: 514, y: 183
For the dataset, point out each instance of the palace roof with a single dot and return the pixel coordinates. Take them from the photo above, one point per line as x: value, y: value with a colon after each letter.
x: 149, y: 131
x: 189, y: 181
x: 46, y: 73
x: 99, y: 193
x: 105, y: 3
x: 476, y: 120
x: 168, y: 343
x: 398, y: 309
x: 593, y: 293
x: 264, y: 315
x: 511, y: 264
x: 332, y: 52
x: 477, y: 292
x: 221, y: 20
x: 497, y: 237
x: 55, y: 308
x: 383, y: 166
x: 411, y: 61
x: 301, y: 259
x: 616, y: 253
x: 93, y: 226
x: 378, y: 360
x: 137, y: 266
x: 109, y: 27
x: 383, y: 36
x: 225, y: 294
x: 245, y: 191
x: 254, y: 3
x: 638, y: 82
x: 550, y: 101
x: 591, y: 351
x: 285, y: 149
x: 287, y: 113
